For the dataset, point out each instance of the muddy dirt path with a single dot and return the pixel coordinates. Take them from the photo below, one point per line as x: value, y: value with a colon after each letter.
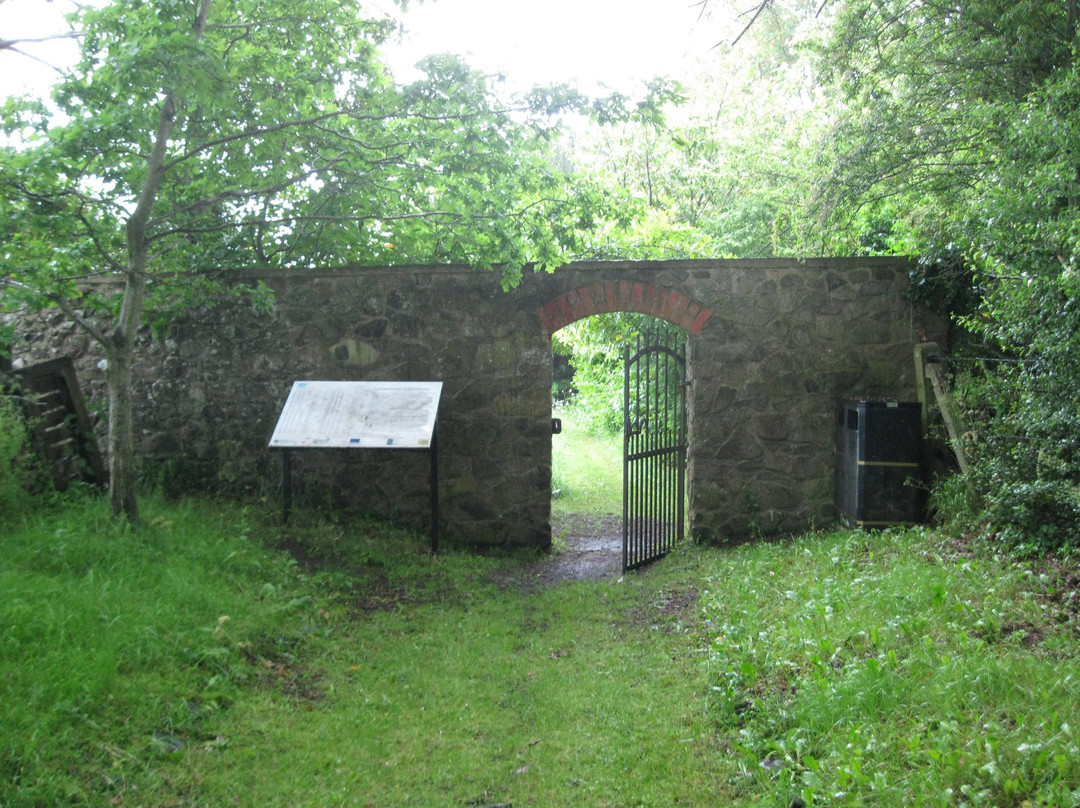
x: 593, y: 550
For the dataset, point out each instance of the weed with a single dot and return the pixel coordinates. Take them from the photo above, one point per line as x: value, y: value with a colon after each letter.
x: 20, y: 472
x: 882, y: 670
x: 754, y: 526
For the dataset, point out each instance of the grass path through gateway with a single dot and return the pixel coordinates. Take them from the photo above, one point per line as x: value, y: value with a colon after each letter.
x: 193, y: 661
x: 587, y: 468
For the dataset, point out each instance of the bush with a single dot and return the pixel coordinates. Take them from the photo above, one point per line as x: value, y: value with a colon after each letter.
x: 1024, y: 410
x: 18, y: 470
x: 595, y: 348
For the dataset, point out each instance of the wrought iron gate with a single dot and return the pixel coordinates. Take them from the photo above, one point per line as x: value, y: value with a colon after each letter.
x: 654, y: 444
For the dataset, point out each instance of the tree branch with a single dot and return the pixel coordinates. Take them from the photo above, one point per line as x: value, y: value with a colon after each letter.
x: 9, y: 44
x: 61, y: 303
x: 263, y: 223
x: 352, y: 113
x: 91, y: 231
x: 761, y: 7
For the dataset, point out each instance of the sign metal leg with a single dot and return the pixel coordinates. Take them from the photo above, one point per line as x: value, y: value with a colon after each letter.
x: 434, y: 453
x: 286, y: 483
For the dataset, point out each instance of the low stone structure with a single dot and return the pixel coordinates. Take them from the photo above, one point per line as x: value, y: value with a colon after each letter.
x: 772, y: 345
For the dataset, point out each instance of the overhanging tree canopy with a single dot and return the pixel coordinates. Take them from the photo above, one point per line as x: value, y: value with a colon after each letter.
x: 958, y: 140
x: 198, y: 136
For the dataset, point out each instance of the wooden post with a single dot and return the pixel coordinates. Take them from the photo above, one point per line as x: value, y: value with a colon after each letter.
x: 921, y: 382
x: 929, y: 368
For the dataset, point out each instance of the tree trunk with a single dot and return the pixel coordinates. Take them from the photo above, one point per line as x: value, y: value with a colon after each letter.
x: 123, y: 489
x: 120, y: 345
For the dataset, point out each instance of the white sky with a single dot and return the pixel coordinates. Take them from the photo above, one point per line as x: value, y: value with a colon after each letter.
x: 613, y: 43
x: 616, y: 44
x: 27, y: 19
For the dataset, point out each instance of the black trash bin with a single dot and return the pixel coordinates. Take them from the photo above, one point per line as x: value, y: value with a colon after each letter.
x: 878, y: 462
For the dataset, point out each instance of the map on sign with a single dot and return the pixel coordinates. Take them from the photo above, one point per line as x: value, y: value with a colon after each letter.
x: 362, y: 415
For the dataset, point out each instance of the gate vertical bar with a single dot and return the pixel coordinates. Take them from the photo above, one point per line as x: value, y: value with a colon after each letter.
x: 683, y: 440
x: 626, y: 456
x: 628, y: 467
x: 648, y: 491
x: 659, y: 397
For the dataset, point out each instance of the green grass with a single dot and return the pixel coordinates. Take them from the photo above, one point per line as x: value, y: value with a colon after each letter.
x: 899, y: 669
x: 587, y: 468
x: 112, y: 639
x: 193, y: 661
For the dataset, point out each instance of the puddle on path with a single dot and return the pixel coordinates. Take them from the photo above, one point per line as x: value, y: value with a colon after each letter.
x: 593, y: 550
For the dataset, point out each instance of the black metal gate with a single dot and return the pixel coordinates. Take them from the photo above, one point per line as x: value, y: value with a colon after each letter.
x: 654, y: 443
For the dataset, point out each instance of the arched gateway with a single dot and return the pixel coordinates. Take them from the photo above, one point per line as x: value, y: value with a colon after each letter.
x: 772, y: 344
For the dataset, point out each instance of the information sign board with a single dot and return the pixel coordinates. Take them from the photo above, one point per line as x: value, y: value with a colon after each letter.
x: 361, y: 415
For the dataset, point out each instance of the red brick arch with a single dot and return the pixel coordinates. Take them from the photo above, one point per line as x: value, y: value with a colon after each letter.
x: 610, y: 296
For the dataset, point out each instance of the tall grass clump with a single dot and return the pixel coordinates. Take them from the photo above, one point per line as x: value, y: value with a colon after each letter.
x: 18, y: 470
x: 121, y: 644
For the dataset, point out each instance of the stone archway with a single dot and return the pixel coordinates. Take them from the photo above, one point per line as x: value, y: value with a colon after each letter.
x: 651, y: 299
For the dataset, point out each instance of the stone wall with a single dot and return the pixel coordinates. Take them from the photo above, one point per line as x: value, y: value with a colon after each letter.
x: 772, y: 345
